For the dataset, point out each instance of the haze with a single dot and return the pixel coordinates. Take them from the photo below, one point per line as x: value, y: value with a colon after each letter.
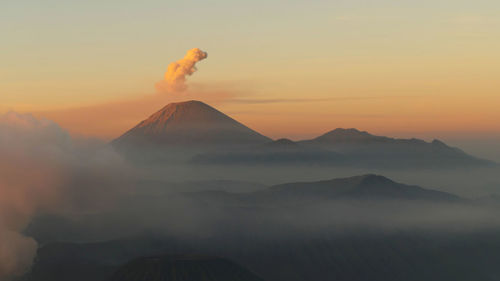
x: 261, y: 140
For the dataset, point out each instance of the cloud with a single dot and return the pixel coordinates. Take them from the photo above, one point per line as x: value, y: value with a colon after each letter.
x: 175, y: 77
x: 43, y: 170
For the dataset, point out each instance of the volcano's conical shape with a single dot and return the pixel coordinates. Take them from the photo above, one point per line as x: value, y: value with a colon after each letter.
x: 190, y: 123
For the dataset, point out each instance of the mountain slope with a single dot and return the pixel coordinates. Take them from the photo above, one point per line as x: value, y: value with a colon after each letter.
x: 189, y: 123
x: 282, y: 152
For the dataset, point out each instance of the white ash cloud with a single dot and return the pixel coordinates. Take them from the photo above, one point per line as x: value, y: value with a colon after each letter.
x: 175, y: 76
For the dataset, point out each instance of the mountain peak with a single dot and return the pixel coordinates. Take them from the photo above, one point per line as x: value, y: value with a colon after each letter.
x: 350, y: 131
x: 437, y: 142
x: 366, y: 187
x: 190, y: 111
x: 282, y: 142
x: 347, y: 135
x: 347, y: 132
x: 373, y: 179
x: 190, y: 122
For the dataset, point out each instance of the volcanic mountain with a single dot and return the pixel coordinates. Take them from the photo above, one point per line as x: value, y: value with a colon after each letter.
x: 189, y: 123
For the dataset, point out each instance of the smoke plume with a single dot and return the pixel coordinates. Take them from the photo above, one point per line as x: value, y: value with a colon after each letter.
x: 175, y: 77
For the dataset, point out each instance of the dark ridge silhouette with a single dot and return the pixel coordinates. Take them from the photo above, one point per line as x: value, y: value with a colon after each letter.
x: 282, y: 143
x: 182, y: 268
x: 348, y: 135
x: 359, y: 187
x: 367, y: 150
x: 368, y: 187
x: 353, y: 140
x: 347, y: 148
x: 359, y: 256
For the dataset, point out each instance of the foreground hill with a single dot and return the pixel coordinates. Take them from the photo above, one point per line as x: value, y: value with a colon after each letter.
x: 182, y: 268
x: 357, y: 256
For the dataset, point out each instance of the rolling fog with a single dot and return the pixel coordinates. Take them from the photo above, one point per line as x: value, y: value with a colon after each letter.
x: 97, y: 195
x: 43, y: 170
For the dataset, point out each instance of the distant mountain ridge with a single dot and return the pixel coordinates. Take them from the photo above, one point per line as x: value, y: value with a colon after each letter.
x: 369, y: 186
x: 208, y: 136
x: 344, y: 139
x: 370, y: 150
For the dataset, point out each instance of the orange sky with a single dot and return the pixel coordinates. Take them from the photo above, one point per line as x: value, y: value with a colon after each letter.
x: 425, y: 68
x: 300, y: 118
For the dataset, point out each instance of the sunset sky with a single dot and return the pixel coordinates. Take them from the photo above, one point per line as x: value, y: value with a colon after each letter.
x: 428, y: 68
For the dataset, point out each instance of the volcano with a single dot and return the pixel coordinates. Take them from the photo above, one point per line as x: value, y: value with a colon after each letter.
x: 189, y: 123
